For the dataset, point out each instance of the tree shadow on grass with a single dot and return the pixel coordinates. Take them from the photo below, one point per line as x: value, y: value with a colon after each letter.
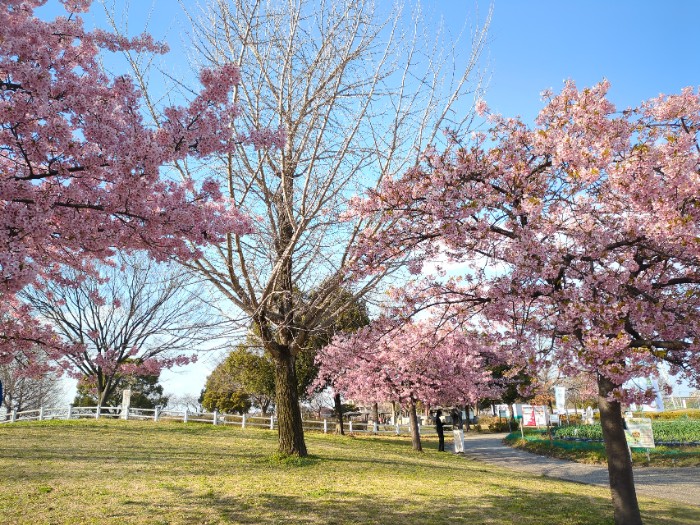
x: 327, y: 506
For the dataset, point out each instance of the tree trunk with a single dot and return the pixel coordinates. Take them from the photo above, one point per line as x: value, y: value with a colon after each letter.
x: 290, y: 429
x: 339, y: 415
x: 466, y: 409
x: 101, y: 396
x: 624, y: 497
x: 375, y: 413
x: 415, y: 435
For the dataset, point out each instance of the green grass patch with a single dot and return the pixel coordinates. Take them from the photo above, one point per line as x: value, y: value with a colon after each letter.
x: 123, y: 472
x: 593, y: 452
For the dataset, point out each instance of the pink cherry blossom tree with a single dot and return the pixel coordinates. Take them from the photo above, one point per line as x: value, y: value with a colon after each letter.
x: 581, y: 231
x: 408, y: 363
x: 80, y: 171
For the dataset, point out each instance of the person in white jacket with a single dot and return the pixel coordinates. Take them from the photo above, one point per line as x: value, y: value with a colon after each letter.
x: 457, y: 431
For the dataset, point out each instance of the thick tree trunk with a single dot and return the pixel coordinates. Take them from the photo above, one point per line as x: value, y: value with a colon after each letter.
x: 375, y: 413
x: 624, y: 497
x: 415, y: 435
x: 339, y: 415
x: 291, y: 431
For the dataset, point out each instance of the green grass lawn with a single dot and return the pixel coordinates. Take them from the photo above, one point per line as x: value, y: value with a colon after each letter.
x: 130, y: 472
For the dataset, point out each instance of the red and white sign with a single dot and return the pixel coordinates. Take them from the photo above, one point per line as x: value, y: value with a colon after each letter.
x: 534, y: 416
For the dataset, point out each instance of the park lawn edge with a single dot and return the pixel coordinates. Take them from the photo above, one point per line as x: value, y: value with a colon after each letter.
x: 145, y: 472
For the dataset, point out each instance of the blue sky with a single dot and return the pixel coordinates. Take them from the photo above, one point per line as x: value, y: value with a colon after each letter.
x: 642, y: 47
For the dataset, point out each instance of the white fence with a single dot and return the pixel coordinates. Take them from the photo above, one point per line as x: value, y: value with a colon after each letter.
x: 212, y: 418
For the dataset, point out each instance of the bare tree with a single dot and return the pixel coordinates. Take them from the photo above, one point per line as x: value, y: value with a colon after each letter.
x: 318, y: 401
x: 188, y: 402
x: 136, y: 318
x: 24, y: 391
x: 359, y: 95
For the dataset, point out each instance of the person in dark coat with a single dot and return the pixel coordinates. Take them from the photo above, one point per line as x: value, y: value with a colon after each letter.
x: 440, y: 431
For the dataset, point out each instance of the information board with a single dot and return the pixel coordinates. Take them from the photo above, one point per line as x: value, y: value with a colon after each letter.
x: 638, y: 432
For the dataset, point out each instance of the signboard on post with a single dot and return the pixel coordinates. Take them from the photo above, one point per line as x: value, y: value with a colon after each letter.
x: 126, y: 403
x: 534, y: 416
x: 649, y: 384
x: 560, y: 398
x: 638, y: 432
x: 657, y: 405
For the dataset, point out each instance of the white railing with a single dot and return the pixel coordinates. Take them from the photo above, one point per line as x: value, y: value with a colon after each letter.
x: 244, y: 421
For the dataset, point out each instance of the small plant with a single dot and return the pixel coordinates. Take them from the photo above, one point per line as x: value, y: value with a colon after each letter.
x: 286, y: 460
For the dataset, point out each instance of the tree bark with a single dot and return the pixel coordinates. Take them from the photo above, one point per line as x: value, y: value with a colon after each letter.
x: 624, y: 497
x: 375, y: 413
x: 415, y: 435
x: 290, y: 429
x: 339, y: 415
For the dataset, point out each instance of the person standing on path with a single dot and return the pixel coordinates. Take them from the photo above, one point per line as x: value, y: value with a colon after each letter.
x: 457, y: 431
x: 440, y: 431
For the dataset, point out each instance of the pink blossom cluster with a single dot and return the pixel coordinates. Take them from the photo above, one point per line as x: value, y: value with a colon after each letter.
x: 79, y: 169
x: 21, y: 334
x: 409, y: 362
x: 138, y: 366
x: 581, y: 233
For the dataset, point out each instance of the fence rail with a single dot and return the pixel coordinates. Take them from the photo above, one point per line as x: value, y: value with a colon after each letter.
x: 211, y: 418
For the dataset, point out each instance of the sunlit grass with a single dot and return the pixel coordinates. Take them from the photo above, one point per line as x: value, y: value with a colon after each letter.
x: 131, y: 472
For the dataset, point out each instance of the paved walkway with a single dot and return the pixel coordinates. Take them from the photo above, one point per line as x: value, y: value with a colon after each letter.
x: 677, y: 484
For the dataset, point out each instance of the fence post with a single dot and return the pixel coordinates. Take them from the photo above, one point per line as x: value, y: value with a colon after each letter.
x: 398, y: 430
x: 243, y: 422
x: 13, y: 417
x: 216, y: 416
x: 350, y: 423
x: 272, y: 422
x: 97, y: 412
x: 184, y: 420
x: 325, y: 426
x: 70, y: 411
x: 41, y: 413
